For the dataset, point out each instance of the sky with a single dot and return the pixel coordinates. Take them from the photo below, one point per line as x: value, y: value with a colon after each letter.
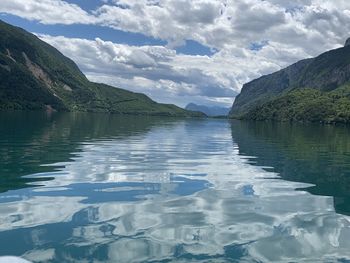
x: 182, y: 51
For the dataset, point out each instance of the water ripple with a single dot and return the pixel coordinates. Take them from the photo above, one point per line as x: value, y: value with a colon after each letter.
x: 173, y: 191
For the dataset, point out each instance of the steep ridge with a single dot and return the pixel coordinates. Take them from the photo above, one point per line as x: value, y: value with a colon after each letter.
x: 315, y: 89
x: 36, y: 76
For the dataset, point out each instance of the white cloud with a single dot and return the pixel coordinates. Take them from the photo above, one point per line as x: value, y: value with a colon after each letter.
x: 216, y: 23
x: 290, y: 30
x: 165, y: 75
x: 48, y: 11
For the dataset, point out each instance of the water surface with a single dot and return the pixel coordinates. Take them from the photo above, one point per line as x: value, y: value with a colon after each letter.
x: 103, y: 188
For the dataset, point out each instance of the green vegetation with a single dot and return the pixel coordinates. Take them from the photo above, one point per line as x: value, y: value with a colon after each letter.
x: 311, y: 90
x: 306, y: 105
x: 36, y: 76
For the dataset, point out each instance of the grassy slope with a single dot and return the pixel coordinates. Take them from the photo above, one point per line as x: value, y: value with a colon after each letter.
x: 306, y: 105
x: 61, y: 84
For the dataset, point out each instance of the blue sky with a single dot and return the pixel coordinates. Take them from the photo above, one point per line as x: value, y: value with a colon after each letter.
x: 182, y: 51
x: 83, y: 31
x: 93, y: 31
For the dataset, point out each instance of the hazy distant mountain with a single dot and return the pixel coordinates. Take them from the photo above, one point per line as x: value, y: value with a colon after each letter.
x: 315, y: 90
x: 209, y: 110
x: 35, y: 76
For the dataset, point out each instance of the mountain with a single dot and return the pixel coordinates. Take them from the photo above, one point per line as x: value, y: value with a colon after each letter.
x: 208, y: 110
x: 36, y: 76
x: 311, y: 90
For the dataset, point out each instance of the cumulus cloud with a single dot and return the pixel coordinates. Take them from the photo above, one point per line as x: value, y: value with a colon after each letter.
x: 156, y: 70
x: 215, y: 23
x: 250, y: 38
x: 48, y: 11
x: 169, y: 77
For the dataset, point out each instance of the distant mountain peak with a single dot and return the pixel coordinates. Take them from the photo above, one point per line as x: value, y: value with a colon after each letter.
x: 209, y: 110
x: 347, y: 43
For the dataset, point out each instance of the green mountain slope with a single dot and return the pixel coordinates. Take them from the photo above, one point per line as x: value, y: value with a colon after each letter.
x: 313, y: 90
x: 34, y: 76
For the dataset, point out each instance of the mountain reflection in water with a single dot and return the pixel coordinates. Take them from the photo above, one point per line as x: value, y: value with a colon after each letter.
x: 108, y: 188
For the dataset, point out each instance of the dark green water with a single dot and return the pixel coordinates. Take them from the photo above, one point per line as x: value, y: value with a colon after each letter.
x: 101, y: 188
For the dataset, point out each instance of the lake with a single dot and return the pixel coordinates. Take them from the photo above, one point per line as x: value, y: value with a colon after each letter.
x: 104, y: 188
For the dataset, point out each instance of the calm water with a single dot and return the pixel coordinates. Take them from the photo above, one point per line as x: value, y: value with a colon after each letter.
x: 100, y: 188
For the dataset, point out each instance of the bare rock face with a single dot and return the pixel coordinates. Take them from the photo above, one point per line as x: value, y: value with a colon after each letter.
x: 347, y: 43
x: 324, y: 73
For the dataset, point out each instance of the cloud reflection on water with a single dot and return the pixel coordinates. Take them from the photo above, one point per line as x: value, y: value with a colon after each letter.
x: 179, y: 191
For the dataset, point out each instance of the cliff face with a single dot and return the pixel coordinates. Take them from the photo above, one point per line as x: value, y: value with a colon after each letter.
x: 263, y: 89
x: 325, y: 74
x: 347, y: 43
x: 36, y: 76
